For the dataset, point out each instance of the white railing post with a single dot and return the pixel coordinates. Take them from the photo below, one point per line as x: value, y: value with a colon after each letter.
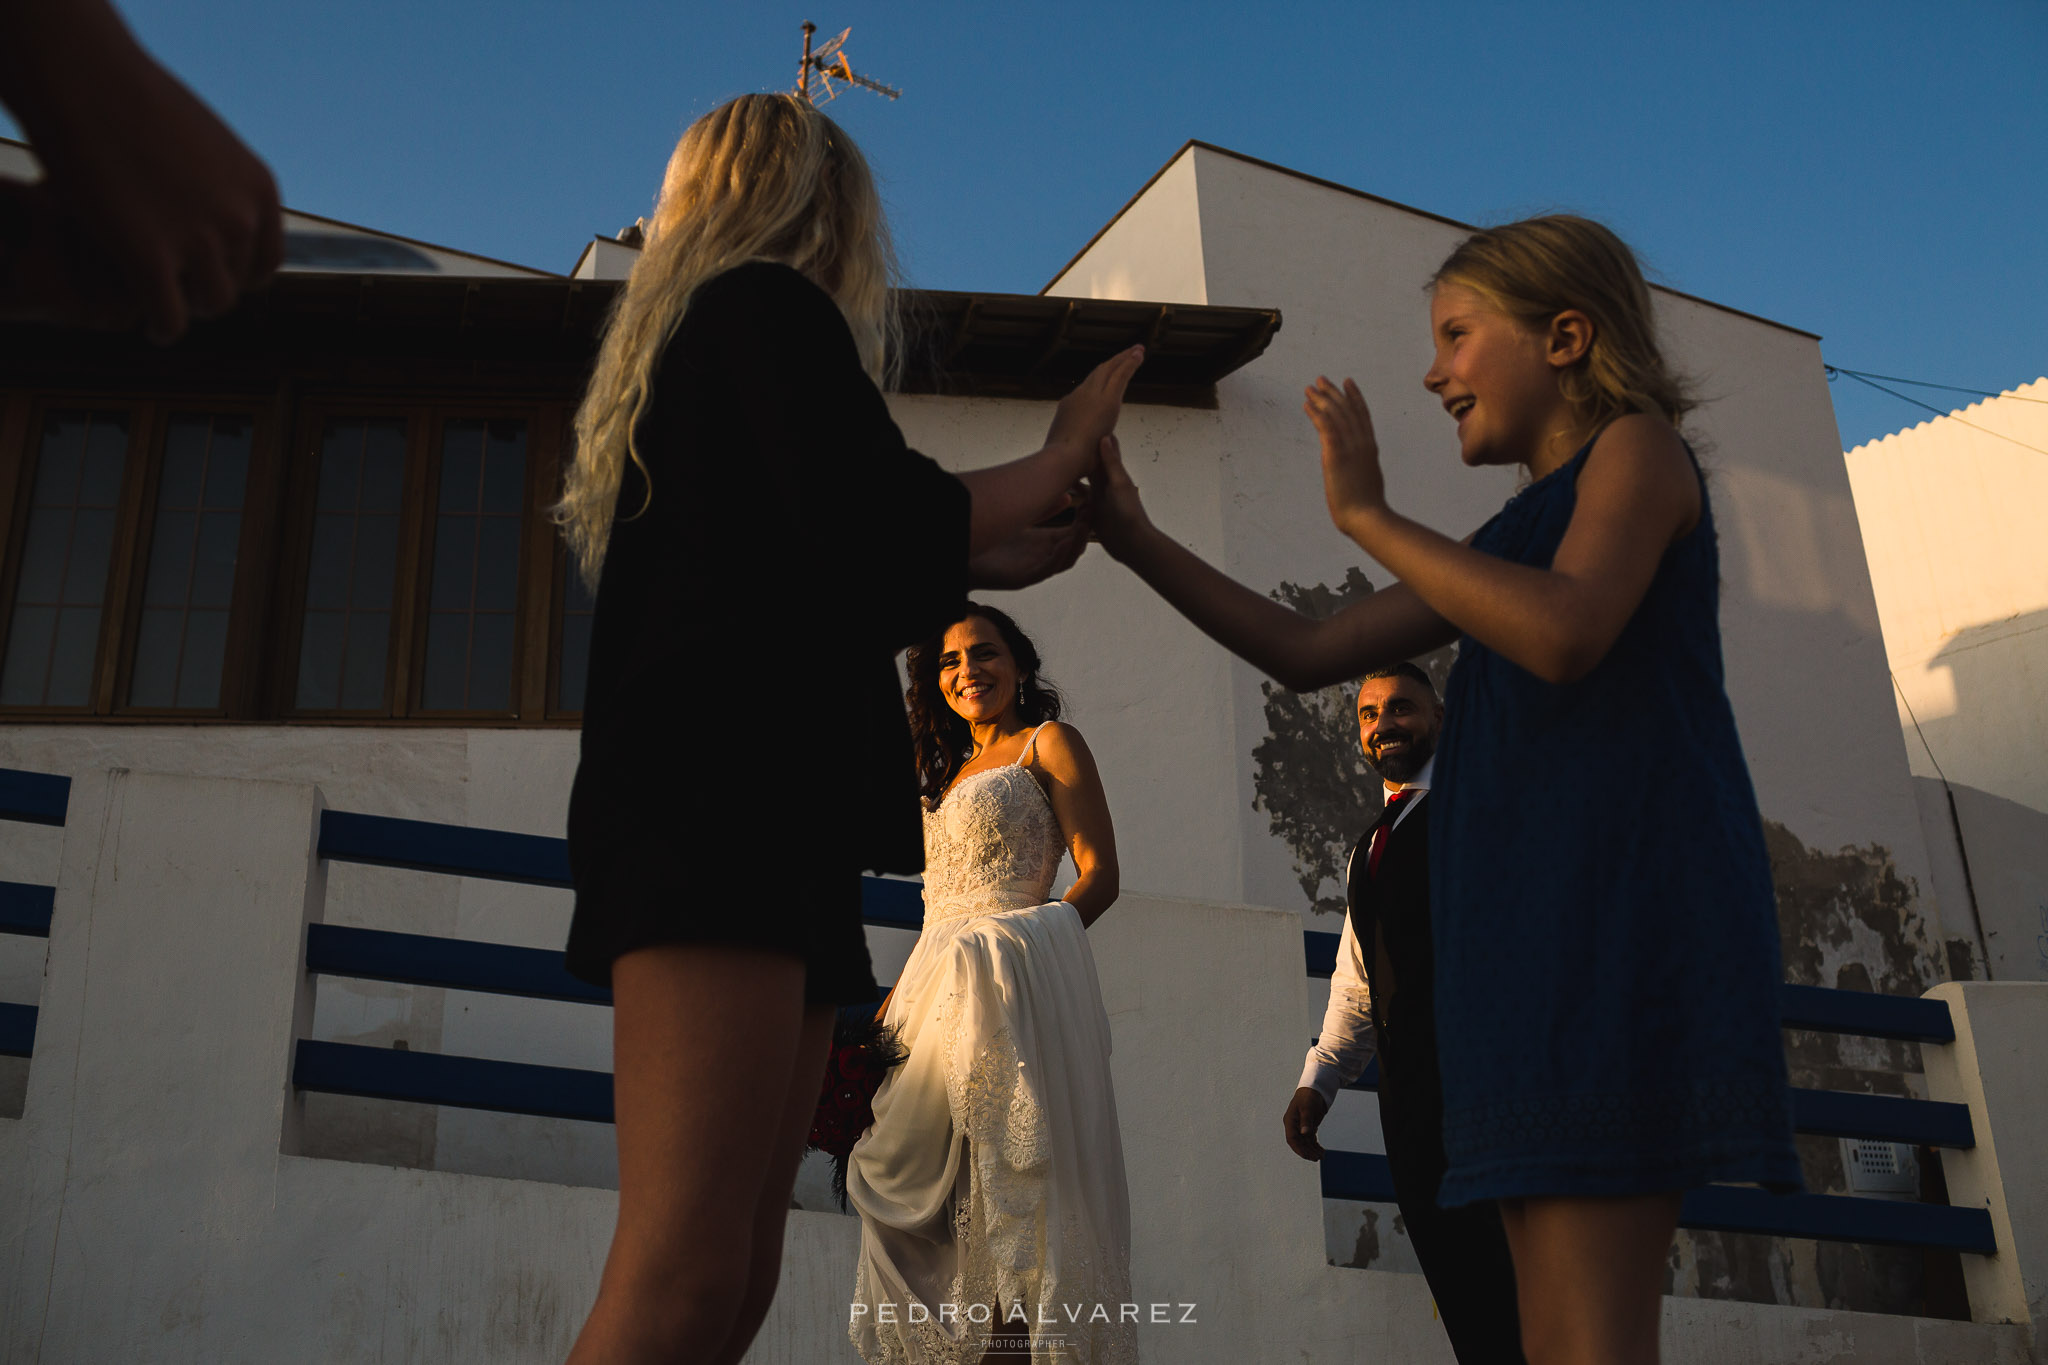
x: 1998, y: 1066
x: 162, y: 1091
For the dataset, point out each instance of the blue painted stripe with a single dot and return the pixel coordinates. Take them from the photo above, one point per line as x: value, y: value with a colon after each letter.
x: 1321, y: 950
x: 1365, y: 1178
x: 890, y: 904
x: 1903, y: 1017
x: 423, y: 846
x: 557, y: 1092
x: 33, y: 798
x: 530, y: 859
x: 1885, y: 1118
x: 1838, y: 1218
x: 25, y: 909
x: 1362, y: 1176
x: 456, y: 963
x: 1842, y: 1113
x: 17, y: 1030
x: 1863, y: 1013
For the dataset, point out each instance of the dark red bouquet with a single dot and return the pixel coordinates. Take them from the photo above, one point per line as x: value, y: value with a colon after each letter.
x: 863, y: 1050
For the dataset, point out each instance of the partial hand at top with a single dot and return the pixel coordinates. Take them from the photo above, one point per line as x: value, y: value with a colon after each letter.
x: 1353, y: 484
x: 176, y: 209
x: 1118, y: 512
x: 1089, y: 413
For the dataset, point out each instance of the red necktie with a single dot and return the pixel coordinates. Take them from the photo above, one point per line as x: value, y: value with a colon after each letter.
x: 1381, y: 829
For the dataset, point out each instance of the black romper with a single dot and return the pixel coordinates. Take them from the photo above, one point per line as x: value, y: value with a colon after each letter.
x: 745, y: 753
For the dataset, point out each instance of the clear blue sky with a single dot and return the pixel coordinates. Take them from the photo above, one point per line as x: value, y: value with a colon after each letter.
x: 1869, y: 171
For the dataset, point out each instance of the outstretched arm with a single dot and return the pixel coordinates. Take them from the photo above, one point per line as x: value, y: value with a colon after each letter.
x: 1298, y: 651
x: 1073, y: 786
x: 1633, y: 500
x: 1010, y: 497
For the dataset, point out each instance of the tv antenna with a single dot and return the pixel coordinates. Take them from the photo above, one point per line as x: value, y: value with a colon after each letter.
x: 830, y: 63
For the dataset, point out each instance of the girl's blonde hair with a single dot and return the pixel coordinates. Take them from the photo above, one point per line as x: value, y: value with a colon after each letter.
x: 760, y: 178
x: 1537, y: 268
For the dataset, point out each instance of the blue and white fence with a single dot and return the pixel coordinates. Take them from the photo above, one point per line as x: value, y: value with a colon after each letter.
x: 35, y: 799
x: 563, y: 1092
x: 1364, y: 1176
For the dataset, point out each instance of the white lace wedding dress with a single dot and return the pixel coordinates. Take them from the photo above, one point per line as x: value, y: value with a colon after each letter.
x: 992, y: 1183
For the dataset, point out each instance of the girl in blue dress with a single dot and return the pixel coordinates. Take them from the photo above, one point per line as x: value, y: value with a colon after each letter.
x: 1604, y: 921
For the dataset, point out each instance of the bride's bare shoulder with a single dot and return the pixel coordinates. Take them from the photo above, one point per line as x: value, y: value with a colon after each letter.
x: 1061, y: 750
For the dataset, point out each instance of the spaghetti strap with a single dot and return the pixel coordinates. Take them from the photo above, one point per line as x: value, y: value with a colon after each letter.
x: 1024, y: 754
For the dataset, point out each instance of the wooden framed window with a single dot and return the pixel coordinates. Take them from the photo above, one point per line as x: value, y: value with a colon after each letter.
x: 575, y: 607
x: 392, y: 562
x: 194, y: 540
x: 56, y: 617
x: 472, y: 588
x: 349, y: 589
x: 422, y: 592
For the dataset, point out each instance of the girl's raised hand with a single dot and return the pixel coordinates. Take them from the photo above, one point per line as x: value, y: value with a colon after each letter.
x: 1352, y: 481
x: 1089, y: 413
x: 1118, y: 513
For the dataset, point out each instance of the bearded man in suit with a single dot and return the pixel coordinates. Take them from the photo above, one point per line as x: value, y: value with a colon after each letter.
x: 1382, y: 1003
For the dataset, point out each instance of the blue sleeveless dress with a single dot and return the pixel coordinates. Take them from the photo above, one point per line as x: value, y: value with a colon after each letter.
x: 1606, y: 932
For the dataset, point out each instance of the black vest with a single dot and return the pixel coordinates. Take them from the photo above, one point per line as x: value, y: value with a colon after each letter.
x: 1396, y: 903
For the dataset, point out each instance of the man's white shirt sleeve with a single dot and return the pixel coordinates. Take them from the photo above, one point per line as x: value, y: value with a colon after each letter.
x: 1347, y: 1044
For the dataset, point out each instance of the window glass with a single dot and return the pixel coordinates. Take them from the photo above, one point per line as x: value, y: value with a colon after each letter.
x: 475, y: 584
x: 345, y: 639
x: 190, y: 580
x: 53, y: 633
x: 577, y: 605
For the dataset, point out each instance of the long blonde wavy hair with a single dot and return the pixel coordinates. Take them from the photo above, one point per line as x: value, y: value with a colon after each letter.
x: 760, y: 178
x: 1539, y: 267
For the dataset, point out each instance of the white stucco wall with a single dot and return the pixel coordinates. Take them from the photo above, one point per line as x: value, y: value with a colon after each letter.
x: 1950, y: 511
x: 1152, y: 251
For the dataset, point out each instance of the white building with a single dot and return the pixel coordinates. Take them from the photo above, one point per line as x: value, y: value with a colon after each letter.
x: 1950, y: 511
x: 341, y: 645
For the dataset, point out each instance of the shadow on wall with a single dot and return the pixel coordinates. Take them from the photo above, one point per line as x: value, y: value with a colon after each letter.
x: 1994, y: 734
x: 2007, y: 844
x: 1309, y: 774
x: 1990, y: 746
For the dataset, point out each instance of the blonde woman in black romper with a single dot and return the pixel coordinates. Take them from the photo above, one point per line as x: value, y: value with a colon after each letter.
x: 745, y: 754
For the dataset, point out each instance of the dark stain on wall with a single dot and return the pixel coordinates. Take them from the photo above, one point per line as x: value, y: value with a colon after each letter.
x: 1368, y: 1248
x: 1310, y: 776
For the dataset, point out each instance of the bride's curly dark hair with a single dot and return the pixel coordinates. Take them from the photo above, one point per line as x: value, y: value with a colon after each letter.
x: 939, y: 735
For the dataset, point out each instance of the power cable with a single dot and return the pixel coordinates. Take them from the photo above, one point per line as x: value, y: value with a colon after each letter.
x: 1833, y: 370
x: 1926, y: 384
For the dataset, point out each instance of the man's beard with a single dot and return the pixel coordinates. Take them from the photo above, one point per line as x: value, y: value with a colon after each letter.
x: 1403, y: 767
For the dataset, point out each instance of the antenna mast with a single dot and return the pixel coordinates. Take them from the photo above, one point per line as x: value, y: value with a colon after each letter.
x: 830, y: 63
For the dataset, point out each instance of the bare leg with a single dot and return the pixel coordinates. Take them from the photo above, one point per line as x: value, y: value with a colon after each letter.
x: 799, y: 1106
x: 1589, y: 1276
x: 700, y: 1033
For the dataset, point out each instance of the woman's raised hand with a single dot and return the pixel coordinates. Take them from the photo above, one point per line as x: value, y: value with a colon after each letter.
x: 1089, y: 413
x: 1113, y: 504
x: 1353, y: 484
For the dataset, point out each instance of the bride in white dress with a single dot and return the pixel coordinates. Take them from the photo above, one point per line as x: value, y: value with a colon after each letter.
x: 995, y: 1220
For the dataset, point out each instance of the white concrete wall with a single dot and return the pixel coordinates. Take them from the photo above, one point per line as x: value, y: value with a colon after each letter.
x: 2007, y: 871
x: 159, y: 1213
x: 1152, y: 251
x: 1951, y: 521
x: 1995, y: 1068
x: 1804, y: 653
